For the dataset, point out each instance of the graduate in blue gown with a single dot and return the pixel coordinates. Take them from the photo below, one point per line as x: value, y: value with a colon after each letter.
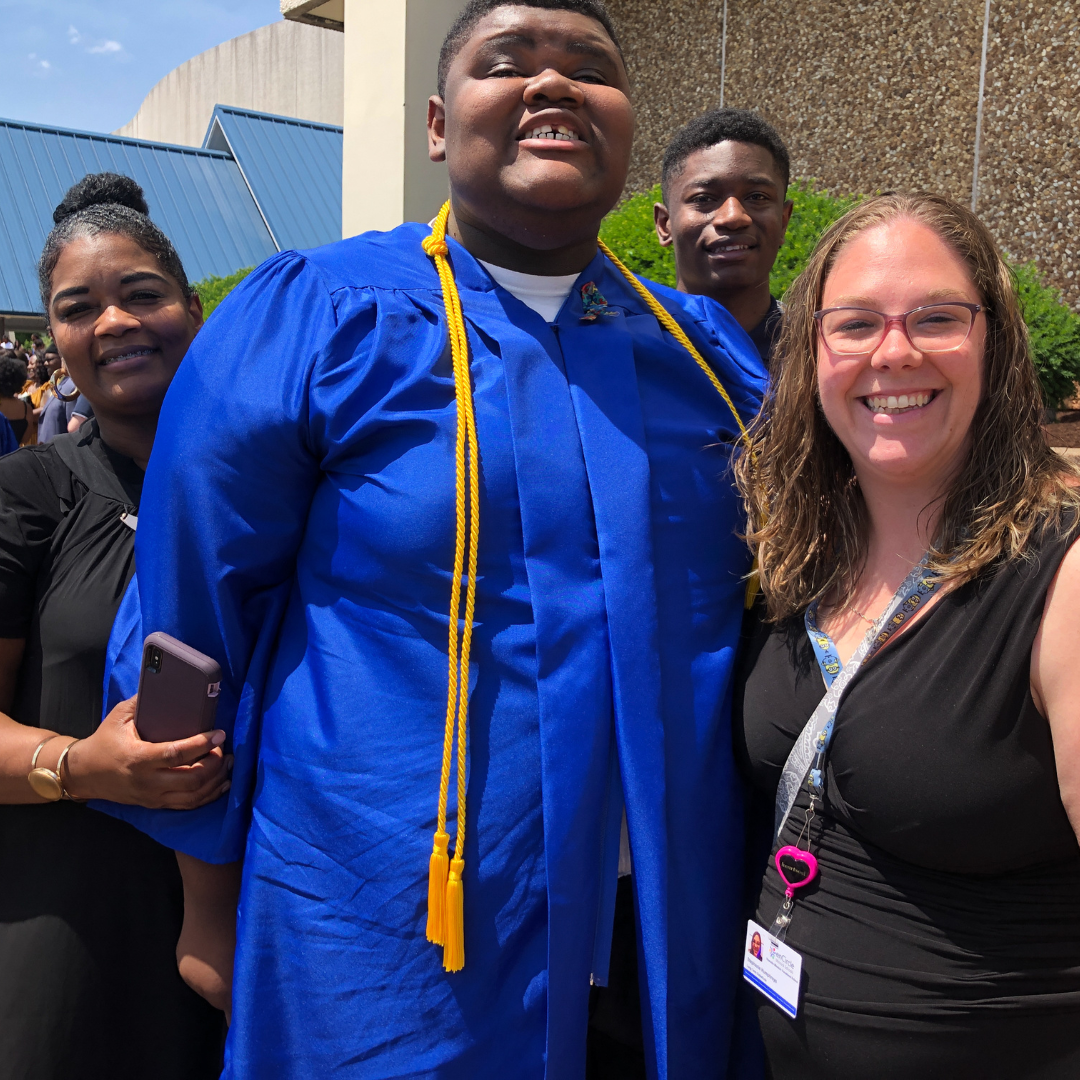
x: 307, y: 544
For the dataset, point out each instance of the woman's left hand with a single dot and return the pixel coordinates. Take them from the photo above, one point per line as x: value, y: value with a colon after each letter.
x: 116, y: 764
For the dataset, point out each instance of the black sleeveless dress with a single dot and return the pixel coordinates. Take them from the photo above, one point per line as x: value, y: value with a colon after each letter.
x: 90, y: 908
x: 942, y: 937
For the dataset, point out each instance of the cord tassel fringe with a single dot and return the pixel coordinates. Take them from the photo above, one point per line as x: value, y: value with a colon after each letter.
x: 438, y: 868
x: 454, y: 948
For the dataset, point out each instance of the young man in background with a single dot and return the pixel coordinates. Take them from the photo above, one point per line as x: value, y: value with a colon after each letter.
x: 725, y: 210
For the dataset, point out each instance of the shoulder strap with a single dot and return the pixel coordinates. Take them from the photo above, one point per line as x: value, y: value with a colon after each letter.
x: 814, y: 737
x: 77, y: 453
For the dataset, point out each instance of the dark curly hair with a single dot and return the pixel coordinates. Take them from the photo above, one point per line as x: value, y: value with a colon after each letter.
x: 106, y: 203
x: 475, y: 10
x: 12, y: 377
x: 723, y: 125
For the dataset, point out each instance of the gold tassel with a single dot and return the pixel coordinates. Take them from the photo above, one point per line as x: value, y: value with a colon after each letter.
x: 664, y: 318
x: 454, y: 947
x: 436, y: 890
x: 446, y: 915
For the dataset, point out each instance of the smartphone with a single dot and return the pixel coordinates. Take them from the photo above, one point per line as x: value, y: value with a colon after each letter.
x: 178, y: 690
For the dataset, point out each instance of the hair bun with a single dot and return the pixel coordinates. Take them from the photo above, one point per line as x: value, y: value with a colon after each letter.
x: 100, y: 189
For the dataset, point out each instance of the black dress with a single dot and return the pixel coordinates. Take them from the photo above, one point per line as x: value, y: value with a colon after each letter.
x: 942, y: 937
x: 90, y: 908
x: 19, y: 427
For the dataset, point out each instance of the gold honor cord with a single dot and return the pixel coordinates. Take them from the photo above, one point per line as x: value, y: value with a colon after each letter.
x: 663, y: 316
x: 446, y: 908
x: 445, y: 919
x: 665, y: 319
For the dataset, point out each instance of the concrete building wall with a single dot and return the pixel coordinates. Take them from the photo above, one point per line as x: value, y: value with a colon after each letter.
x: 883, y: 95
x: 287, y: 68
x: 392, y: 49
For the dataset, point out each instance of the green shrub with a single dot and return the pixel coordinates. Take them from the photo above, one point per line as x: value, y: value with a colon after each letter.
x: 212, y: 290
x: 814, y: 211
x: 1055, y: 335
x: 628, y: 231
x: 1054, y: 328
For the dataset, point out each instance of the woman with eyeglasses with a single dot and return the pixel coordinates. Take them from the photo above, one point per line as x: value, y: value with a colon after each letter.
x: 914, y: 534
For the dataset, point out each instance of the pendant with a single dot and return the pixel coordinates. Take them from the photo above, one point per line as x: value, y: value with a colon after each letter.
x: 796, y: 868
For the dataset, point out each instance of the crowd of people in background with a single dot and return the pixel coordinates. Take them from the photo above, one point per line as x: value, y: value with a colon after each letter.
x: 38, y: 400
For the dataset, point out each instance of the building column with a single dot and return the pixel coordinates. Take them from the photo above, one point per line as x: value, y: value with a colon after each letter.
x: 391, y: 57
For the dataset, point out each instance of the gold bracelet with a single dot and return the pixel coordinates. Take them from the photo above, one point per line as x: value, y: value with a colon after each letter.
x: 37, y: 750
x: 64, y: 793
x: 46, y: 782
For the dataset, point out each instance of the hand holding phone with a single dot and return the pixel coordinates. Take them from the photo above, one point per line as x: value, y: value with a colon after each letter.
x: 178, y: 690
x: 114, y: 763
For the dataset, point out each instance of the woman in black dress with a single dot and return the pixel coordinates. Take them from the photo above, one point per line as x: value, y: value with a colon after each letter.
x: 941, y: 935
x: 90, y: 908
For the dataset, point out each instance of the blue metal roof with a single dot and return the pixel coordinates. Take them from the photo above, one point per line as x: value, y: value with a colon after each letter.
x: 293, y: 168
x: 197, y: 197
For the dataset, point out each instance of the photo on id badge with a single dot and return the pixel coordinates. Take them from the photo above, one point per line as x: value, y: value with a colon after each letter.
x: 773, y: 968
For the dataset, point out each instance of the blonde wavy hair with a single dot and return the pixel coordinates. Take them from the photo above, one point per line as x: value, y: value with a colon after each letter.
x: 808, y: 523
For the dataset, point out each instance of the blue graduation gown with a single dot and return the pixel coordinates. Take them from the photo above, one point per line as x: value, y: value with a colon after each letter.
x: 300, y: 531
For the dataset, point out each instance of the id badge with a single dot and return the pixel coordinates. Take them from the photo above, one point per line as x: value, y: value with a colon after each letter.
x: 773, y: 968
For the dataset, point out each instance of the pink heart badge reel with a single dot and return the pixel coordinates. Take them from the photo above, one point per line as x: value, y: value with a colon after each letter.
x: 796, y: 868
x: 777, y: 971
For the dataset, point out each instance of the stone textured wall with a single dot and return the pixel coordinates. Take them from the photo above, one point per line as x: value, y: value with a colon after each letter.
x: 1029, y: 172
x: 882, y: 94
x: 868, y: 95
x: 673, y: 54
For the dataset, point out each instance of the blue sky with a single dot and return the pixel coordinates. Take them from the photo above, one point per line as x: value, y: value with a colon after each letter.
x: 89, y: 63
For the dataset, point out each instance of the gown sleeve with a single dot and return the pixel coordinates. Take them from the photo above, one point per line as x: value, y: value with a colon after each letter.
x: 742, y: 371
x: 224, y: 509
x: 727, y: 347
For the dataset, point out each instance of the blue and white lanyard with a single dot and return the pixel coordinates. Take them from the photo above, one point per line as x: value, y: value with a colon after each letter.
x: 806, y: 762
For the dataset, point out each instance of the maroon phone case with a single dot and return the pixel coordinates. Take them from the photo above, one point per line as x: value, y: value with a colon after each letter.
x: 180, y: 699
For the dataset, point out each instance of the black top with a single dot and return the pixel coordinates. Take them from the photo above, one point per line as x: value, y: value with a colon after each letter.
x: 90, y: 908
x: 765, y: 334
x: 66, y: 557
x: 19, y: 426
x: 943, y: 932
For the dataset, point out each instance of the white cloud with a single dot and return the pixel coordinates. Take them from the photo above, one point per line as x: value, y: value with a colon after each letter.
x: 74, y: 36
x: 40, y: 66
x: 106, y: 47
